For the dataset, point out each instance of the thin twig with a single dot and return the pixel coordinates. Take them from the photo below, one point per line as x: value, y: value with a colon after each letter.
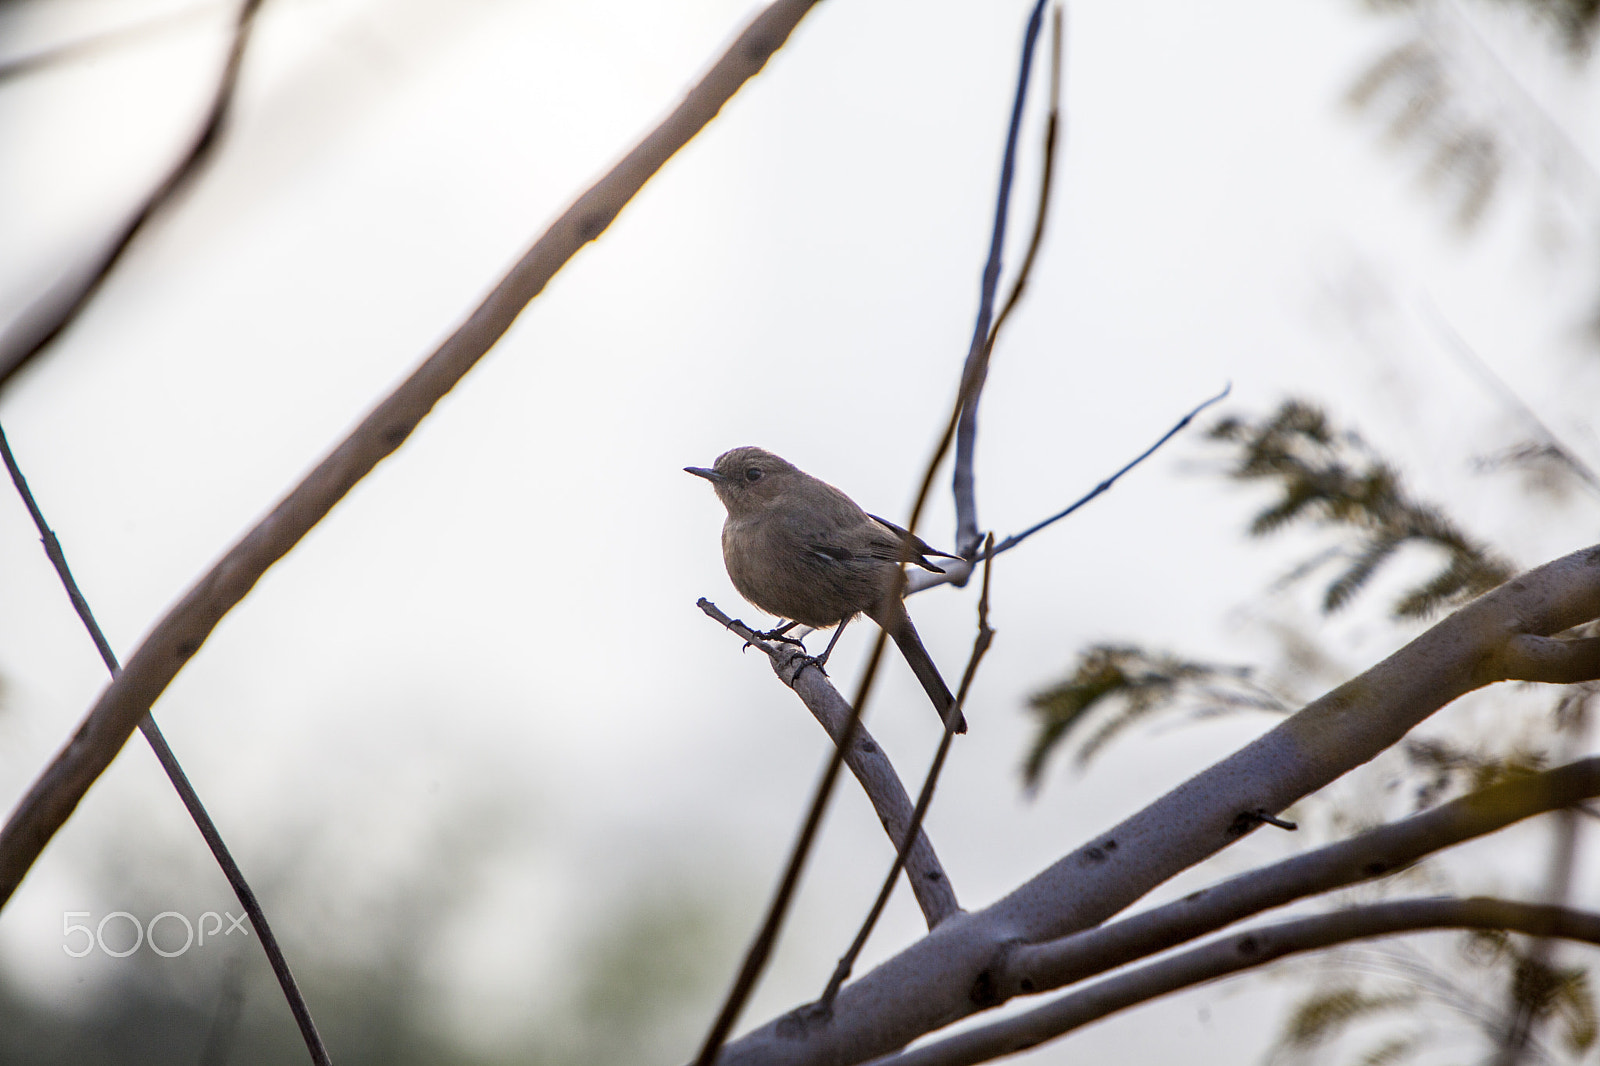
x: 867, y: 760
x: 1017, y: 538
x: 980, y: 646
x: 178, y: 636
x: 919, y: 582
x: 1236, y: 953
x: 49, y: 316
x: 169, y: 763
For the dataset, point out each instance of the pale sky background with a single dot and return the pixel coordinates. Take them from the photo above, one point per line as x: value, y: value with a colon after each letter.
x: 499, y: 623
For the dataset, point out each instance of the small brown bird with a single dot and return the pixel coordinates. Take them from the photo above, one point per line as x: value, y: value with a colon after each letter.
x: 799, y: 548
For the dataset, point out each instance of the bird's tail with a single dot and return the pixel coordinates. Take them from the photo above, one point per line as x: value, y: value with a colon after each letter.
x: 905, y: 637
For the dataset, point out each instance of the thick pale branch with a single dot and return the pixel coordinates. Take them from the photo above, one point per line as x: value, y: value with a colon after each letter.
x: 1041, y: 967
x: 952, y: 971
x: 1239, y: 952
x: 179, y: 635
x: 871, y: 766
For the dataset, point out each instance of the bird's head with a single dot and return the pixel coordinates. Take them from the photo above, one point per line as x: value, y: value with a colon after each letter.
x: 747, y: 479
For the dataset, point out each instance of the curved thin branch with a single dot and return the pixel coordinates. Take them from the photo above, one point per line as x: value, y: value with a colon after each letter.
x: 180, y: 634
x: 1240, y: 952
x: 33, y: 330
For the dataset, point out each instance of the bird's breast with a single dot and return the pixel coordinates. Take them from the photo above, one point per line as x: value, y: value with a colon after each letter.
x: 777, y: 568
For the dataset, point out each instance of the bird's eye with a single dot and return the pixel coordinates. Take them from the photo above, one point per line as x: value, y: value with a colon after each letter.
x: 753, y: 474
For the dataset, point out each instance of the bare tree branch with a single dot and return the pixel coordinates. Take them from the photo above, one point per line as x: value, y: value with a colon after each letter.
x: 952, y: 972
x: 870, y: 764
x: 180, y: 634
x: 180, y: 780
x: 33, y: 330
x: 1239, y: 952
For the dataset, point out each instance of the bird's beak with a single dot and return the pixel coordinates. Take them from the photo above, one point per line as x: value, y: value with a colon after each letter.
x: 700, y: 471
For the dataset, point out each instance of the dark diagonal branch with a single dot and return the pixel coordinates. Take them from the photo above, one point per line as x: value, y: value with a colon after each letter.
x: 1237, y: 953
x: 179, y: 635
x: 33, y: 330
x: 180, y: 780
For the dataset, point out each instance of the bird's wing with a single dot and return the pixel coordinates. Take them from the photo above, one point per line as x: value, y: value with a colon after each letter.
x: 903, y: 546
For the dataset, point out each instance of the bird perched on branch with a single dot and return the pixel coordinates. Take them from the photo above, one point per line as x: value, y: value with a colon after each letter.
x: 799, y: 548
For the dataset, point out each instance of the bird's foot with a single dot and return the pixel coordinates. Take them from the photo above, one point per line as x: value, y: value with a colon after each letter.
x: 778, y: 635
